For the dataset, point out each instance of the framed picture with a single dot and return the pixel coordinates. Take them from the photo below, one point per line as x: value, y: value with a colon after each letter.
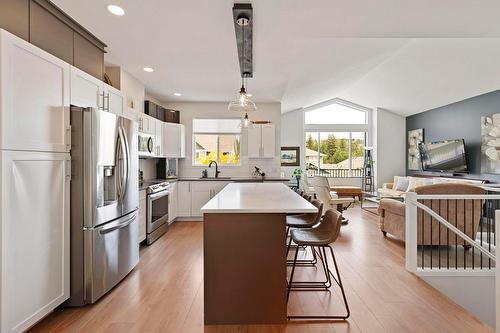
x: 490, y: 144
x: 415, y: 137
x: 290, y: 156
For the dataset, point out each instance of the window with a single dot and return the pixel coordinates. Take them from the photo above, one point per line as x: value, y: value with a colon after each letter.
x: 216, y: 140
x: 335, y: 154
x: 336, y: 133
x: 336, y: 113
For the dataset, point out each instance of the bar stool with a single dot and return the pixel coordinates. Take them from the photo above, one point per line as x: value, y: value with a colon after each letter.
x: 307, y: 197
x: 319, y: 237
x: 304, y: 221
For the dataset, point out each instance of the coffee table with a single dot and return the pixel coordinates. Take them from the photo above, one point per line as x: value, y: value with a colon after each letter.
x: 373, y: 198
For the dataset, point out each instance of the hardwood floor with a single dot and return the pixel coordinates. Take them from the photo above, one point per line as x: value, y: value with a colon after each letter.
x: 165, y: 291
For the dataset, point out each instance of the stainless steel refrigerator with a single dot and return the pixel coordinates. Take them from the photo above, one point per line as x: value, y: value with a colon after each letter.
x: 104, y: 202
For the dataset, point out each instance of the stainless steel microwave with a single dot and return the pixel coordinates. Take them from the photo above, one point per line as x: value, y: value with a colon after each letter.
x: 146, y: 144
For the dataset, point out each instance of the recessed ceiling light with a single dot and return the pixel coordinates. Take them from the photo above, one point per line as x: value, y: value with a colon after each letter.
x: 116, y: 10
x: 148, y: 69
x: 177, y: 94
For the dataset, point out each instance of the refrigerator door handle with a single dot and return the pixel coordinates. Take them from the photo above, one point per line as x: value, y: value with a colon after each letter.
x: 119, y: 226
x: 124, y: 172
x: 127, y: 160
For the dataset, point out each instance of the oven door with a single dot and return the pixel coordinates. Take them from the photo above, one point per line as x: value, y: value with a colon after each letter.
x: 157, y: 210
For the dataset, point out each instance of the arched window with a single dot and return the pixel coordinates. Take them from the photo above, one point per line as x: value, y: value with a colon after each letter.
x: 336, y: 133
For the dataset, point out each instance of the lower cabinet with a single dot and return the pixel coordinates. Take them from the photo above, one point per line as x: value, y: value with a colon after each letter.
x: 194, y: 195
x: 142, y: 216
x: 172, y: 203
x: 34, y: 229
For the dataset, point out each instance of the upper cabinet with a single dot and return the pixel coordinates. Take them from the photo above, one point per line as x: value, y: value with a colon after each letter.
x: 45, y: 25
x: 87, y: 91
x: 35, y: 98
x: 262, y: 141
x: 174, y: 138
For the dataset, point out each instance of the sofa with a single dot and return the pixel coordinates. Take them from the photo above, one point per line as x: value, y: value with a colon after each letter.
x: 465, y: 214
x: 413, y: 182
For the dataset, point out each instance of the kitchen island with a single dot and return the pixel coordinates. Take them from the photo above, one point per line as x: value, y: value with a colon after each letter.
x: 244, y: 250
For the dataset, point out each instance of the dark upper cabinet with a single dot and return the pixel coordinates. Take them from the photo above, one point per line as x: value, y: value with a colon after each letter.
x: 150, y: 108
x: 172, y: 116
x: 14, y: 17
x: 50, y: 34
x: 154, y: 110
x: 88, y: 57
x: 45, y: 25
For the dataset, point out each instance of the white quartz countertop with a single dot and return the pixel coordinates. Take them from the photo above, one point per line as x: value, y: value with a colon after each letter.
x: 258, y: 198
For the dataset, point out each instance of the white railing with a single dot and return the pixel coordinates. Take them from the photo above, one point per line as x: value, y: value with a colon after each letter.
x: 414, y: 251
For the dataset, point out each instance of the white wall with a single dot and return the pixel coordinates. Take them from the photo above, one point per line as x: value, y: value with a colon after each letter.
x: 389, y: 144
x: 292, y: 134
x: 266, y: 111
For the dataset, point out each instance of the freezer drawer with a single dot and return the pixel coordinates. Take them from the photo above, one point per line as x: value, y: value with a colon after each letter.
x: 114, y: 253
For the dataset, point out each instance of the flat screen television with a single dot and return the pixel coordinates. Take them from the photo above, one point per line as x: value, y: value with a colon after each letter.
x: 444, y: 156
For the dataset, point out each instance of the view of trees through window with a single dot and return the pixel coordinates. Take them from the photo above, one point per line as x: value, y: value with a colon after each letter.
x: 225, y: 149
x: 335, y: 154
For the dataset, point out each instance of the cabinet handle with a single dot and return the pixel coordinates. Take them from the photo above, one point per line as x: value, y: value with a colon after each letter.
x: 102, y: 107
x: 108, y: 101
x: 68, y: 137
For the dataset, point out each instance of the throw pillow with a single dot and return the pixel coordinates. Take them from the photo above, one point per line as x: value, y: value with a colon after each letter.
x: 395, y: 182
x: 402, y: 185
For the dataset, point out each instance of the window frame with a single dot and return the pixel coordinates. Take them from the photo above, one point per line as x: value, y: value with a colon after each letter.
x: 332, y: 128
x: 218, y: 135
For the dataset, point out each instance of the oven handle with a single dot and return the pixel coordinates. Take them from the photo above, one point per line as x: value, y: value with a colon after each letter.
x: 158, y: 195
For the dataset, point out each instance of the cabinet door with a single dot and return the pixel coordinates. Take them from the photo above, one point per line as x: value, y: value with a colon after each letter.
x: 172, y: 204
x: 268, y: 141
x: 254, y: 141
x: 142, y: 220
x: 34, y: 236
x: 182, y: 141
x: 199, y: 199
x: 172, y: 136
x: 159, y: 138
x: 34, y: 98
x: 114, y: 100
x: 86, y: 90
x: 217, y: 187
x: 184, y: 202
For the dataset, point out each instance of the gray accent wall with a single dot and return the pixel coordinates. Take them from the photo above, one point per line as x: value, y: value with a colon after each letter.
x: 461, y: 120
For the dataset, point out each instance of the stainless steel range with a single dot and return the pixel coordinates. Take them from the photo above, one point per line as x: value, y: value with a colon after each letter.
x: 157, y: 201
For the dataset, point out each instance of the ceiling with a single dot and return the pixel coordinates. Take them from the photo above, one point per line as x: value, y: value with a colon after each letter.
x: 404, y: 56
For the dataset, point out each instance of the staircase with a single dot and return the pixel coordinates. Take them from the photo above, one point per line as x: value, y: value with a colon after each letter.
x: 450, y: 243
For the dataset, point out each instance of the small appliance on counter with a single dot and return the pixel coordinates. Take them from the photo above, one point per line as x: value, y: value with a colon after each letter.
x: 167, y: 168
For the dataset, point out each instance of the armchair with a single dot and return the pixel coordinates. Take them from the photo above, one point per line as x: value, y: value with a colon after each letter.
x: 465, y: 214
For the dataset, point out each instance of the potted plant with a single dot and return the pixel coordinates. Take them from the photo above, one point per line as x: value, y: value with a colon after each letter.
x: 297, y: 173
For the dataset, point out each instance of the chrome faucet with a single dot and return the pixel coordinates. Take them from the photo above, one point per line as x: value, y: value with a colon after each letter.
x: 216, y: 168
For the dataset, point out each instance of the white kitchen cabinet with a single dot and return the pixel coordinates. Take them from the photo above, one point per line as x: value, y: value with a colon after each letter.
x: 34, y: 98
x: 182, y: 141
x: 201, y: 192
x: 147, y: 124
x: 268, y: 140
x: 87, y: 91
x: 195, y: 194
x: 184, y: 199
x: 142, y: 215
x: 172, y: 140
x: 114, y: 100
x: 262, y: 141
x: 159, y: 132
x: 34, y: 229
x: 172, y: 203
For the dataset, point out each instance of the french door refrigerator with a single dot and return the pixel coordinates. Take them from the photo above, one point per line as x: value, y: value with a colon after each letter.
x: 104, y: 202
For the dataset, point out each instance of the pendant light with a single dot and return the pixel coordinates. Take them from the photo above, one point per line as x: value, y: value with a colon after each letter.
x: 242, y: 103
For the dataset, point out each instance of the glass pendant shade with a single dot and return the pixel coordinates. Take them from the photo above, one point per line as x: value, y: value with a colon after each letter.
x: 242, y: 103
